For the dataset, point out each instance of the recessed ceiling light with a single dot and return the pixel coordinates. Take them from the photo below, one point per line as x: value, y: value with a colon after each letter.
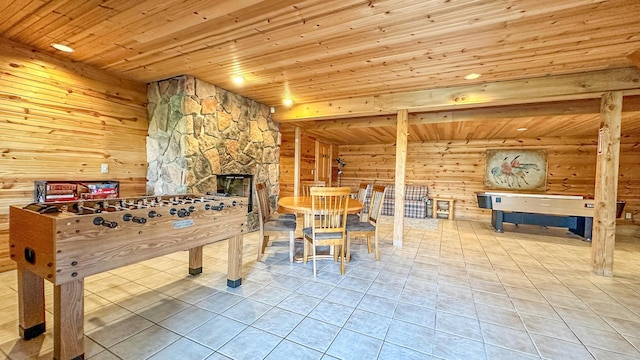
x: 521, y: 129
x: 472, y: 76
x: 61, y: 47
x: 287, y: 102
x: 238, y: 79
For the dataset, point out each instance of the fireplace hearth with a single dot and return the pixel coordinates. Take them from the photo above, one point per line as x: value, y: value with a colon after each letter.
x: 235, y: 185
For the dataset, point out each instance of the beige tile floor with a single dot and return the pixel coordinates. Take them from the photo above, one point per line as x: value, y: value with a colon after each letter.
x: 459, y: 292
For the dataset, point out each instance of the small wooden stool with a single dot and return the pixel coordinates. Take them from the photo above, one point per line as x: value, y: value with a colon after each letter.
x: 448, y: 210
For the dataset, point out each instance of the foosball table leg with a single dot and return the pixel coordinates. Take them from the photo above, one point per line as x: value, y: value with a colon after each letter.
x: 68, y: 316
x: 195, y: 260
x: 30, y: 304
x: 234, y: 275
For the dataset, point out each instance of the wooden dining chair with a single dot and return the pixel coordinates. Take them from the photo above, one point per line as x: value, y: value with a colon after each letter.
x: 362, y: 195
x: 272, y: 215
x: 369, y: 227
x: 329, y: 204
x: 272, y: 227
x: 305, y: 186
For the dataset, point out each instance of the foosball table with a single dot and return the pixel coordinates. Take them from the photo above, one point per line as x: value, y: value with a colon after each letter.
x: 65, y: 242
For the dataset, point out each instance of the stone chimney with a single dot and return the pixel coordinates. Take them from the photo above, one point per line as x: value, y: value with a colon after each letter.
x: 198, y: 131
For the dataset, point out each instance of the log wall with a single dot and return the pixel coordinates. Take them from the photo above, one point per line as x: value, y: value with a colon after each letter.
x: 456, y: 168
x: 307, y: 159
x: 61, y: 120
x: 287, y: 160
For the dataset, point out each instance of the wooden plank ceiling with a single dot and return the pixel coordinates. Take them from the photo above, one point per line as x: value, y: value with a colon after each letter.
x: 325, y: 50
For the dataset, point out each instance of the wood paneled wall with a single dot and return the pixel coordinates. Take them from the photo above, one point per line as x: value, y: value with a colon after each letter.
x: 287, y: 158
x: 456, y: 168
x: 307, y: 159
x: 60, y: 120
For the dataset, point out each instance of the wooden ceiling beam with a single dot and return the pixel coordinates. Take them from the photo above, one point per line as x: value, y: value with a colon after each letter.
x: 585, y: 106
x: 430, y: 117
x: 587, y: 85
x: 361, y: 122
x: 576, y: 107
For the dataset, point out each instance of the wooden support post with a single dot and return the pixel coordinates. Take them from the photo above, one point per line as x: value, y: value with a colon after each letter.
x: 30, y: 304
x: 68, y: 320
x: 297, y: 155
x: 604, y: 221
x: 401, y: 160
x: 318, y: 161
x: 234, y: 277
x: 195, y: 260
x: 330, y: 167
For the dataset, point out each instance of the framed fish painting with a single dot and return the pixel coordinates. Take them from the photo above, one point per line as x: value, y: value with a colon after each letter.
x: 522, y: 169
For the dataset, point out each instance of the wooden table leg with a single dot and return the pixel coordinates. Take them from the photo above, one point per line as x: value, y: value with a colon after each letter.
x: 234, y: 274
x: 30, y: 304
x: 68, y: 315
x: 195, y: 260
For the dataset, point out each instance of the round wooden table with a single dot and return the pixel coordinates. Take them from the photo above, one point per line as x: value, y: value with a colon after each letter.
x: 302, y: 205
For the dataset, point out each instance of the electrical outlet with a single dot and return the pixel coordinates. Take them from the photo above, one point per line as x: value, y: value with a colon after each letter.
x: 104, y: 168
x: 627, y: 216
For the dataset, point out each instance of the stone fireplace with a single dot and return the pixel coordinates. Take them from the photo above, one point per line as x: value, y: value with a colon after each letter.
x: 198, y: 131
x: 235, y: 185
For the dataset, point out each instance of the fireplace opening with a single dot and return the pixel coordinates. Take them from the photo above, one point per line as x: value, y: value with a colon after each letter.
x: 236, y: 185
